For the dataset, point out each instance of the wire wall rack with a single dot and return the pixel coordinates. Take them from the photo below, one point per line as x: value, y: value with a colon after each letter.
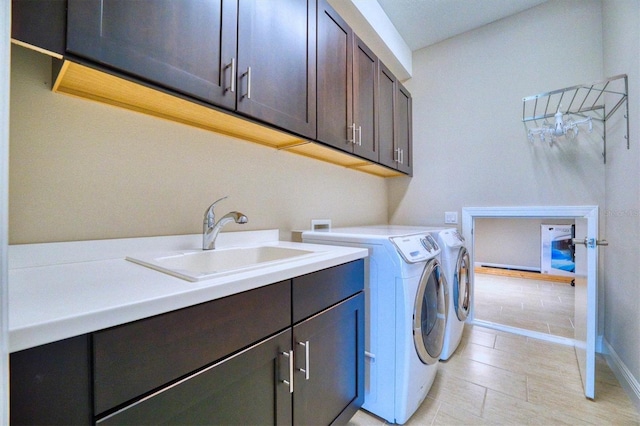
x: 584, y: 102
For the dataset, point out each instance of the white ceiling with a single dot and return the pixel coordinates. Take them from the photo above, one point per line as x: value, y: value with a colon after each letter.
x: 425, y: 22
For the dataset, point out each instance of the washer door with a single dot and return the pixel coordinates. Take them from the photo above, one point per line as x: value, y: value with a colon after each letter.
x: 430, y: 313
x: 462, y: 285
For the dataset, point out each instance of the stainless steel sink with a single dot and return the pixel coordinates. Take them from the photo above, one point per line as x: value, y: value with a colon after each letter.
x: 201, y: 265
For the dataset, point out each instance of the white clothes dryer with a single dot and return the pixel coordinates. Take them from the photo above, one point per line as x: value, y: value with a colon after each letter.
x: 456, y: 264
x: 405, y: 314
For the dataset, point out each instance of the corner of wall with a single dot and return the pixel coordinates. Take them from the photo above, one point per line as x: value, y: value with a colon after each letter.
x: 628, y: 382
x: 374, y: 27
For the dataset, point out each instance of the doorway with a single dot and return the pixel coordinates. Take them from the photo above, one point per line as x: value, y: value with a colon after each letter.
x: 588, y: 213
x: 524, y: 272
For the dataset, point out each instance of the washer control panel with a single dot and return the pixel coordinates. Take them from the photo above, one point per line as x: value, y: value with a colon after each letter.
x: 416, y: 248
x: 452, y: 238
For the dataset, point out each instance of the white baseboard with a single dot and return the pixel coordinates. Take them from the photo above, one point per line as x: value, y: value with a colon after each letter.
x: 506, y: 266
x: 629, y: 383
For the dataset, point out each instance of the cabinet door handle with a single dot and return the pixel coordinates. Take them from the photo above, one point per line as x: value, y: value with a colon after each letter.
x: 359, y: 135
x: 289, y: 382
x: 396, y: 155
x: 232, y: 76
x: 402, y: 156
x: 305, y: 370
x: 353, y: 133
x: 248, y: 75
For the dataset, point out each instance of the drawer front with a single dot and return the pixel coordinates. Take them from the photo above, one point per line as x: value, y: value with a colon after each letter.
x: 317, y: 291
x: 244, y: 389
x: 136, y: 358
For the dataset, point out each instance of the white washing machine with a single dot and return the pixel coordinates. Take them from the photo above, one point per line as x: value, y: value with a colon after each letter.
x: 405, y: 314
x: 455, y: 264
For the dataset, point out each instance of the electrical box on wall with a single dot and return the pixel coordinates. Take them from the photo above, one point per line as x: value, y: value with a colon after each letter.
x: 451, y: 217
x: 321, y: 225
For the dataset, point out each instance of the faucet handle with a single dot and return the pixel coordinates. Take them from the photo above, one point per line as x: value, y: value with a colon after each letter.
x: 208, y: 214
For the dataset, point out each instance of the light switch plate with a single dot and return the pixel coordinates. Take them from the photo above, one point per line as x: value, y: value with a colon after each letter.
x: 451, y: 217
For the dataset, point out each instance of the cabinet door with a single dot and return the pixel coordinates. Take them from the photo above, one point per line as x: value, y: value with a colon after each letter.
x: 244, y: 389
x: 365, y: 88
x: 329, y: 356
x: 404, y: 129
x: 51, y: 384
x: 184, y: 45
x: 386, y: 117
x: 277, y: 63
x: 335, y: 93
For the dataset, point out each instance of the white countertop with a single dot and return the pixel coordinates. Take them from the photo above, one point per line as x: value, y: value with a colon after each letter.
x: 61, y: 290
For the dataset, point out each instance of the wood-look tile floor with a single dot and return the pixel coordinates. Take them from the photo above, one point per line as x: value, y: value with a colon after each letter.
x: 498, y: 378
x: 537, y: 305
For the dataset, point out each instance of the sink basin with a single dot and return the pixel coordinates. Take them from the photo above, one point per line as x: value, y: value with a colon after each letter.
x: 201, y: 265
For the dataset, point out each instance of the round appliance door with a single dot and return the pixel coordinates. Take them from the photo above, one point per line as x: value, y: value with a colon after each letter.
x: 430, y: 313
x: 462, y: 285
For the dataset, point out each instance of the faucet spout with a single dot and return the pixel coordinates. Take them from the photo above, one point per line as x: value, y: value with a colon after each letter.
x: 211, y: 229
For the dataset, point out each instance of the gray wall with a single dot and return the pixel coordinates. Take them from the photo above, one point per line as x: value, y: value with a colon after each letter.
x: 621, y: 302
x: 510, y: 242
x: 470, y: 146
x: 82, y: 170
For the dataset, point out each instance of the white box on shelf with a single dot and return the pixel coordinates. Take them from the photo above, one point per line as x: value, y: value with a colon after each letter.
x: 556, y: 250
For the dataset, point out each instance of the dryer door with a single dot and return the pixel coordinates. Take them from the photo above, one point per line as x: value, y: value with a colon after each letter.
x: 430, y: 313
x: 462, y: 285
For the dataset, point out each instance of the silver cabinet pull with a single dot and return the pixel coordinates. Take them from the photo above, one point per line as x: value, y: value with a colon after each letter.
x: 232, y: 75
x: 353, y: 133
x: 359, y: 135
x: 589, y: 242
x: 399, y: 155
x: 248, y: 75
x: 289, y: 382
x: 305, y: 370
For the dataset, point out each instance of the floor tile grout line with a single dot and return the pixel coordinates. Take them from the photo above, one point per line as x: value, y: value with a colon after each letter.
x: 484, y: 401
x: 435, y: 416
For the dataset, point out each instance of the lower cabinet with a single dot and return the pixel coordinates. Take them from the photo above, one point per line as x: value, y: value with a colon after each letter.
x: 328, y: 347
x: 242, y: 359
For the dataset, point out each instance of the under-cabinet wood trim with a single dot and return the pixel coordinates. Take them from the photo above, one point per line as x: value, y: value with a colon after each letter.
x: 82, y: 81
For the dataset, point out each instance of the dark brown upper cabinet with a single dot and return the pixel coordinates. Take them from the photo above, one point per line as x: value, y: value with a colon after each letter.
x: 365, y: 94
x: 277, y: 63
x: 187, y: 46
x: 252, y: 56
x: 280, y: 73
x: 40, y: 25
x: 394, y: 122
x: 335, y: 65
x: 386, y: 116
x: 347, y: 87
x: 404, y: 130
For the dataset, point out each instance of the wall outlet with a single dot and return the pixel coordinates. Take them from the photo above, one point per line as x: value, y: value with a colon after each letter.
x: 321, y: 225
x: 451, y: 217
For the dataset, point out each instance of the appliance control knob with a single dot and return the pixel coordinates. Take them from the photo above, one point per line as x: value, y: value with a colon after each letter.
x: 426, y: 244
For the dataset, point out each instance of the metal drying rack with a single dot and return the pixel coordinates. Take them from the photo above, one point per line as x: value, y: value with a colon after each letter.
x: 585, y: 100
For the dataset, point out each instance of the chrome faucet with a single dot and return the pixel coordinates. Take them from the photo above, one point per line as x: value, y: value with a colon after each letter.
x: 211, y: 229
